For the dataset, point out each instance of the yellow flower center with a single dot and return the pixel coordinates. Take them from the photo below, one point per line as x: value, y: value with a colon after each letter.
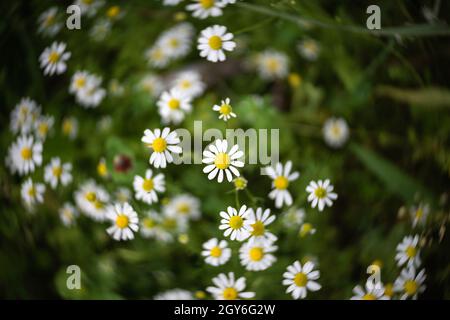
x: 98, y: 204
x: 49, y: 20
x: 147, y: 185
x: 26, y: 153
x: 91, y: 196
x: 159, y: 144
x: 236, y: 222
x: 230, y: 293
x: 222, y: 160
x: 225, y: 109
x: 80, y: 82
x: 32, y: 191
x: 43, y: 128
x: 419, y: 213
x: 256, y: 254
x: 174, y: 43
x: 369, y: 296
x: 185, y: 84
x: 410, y: 287
x: 149, y: 223
x: 240, y: 183
x: 389, y: 290
x: 272, y: 65
x: 295, y: 80
x: 206, y: 4
x: 57, y: 171
x: 300, y: 279
x: 174, y: 104
x: 183, y: 208
x: 336, y: 131
x: 122, y: 221
x: 67, y: 127
x: 113, y: 11
x: 215, y: 252
x: 305, y: 229
x: 320, y: 192
x: 170, y: 223
x: 258, y: 228
x: 53, y: 57
x: 411, y: 252
x: 281, y: 183
x: 87, y: 1
x: 215, y: 42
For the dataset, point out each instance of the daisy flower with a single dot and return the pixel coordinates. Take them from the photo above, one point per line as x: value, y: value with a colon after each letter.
x: 301, y: 279
x: 124, y: 220
x: 213, y: 41
x: 26, y: 154
x: 240, y: 183
x: 163, y: 143
x: 145, y: 188
x: 116, y: 88
x: 56, y: 172
x: 48, y: 23
x: 42, y: 126
x: 371, y: 292
x: 114, y: 13
x: 174, y: 294
x: 69, y: 127
x: 176, y: 42
x: 32, y: 193
x: 281, y: 178
x: 335, y: 132
x: 91, y: 94
x: 92, y: 199
x: 294, y: 217
x: 408, y: 251
x: 151, y: 84
x: 79, y: 81
x: 272, y: 65
x: 216, y: 252
x: 225, y: 110
x: 53, y: 59
x: 409, y: 283
x: 157, y: 57
x: 220, y: 160
x: 236, y: 224
x: 309, y: 49
x: 203, y: 9
x: 227, y: 288
x: 151, y: 227
x: 122, y: 195
x: 306, y: 229
x: 419, y: 214
x: 184, y: 206
x: 259, y: 220
x: 68, y: 214
x: 320, y: 194
x: 256, y: 255
x: 24, y: 115
x: 189, y: 83
x: 173, y: 105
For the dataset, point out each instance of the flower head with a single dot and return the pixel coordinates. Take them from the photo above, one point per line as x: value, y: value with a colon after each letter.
x: 56, y: 172
x: 335, y: 132
x: 236, y: 224
x: 370, y: 292
x: 225, y: 110
x: 32, y: 193
x: 163, y: 144
x: 53, y: 59
x: 213, y: 41
x: 408, y: 251
x: 173, y: 105
x: 145, y: 188
x: 260, y: 219
x: 68, y: 213
x: 410, y: 283
x: 227, y: 288
x: 25, y: 154
x: 216, y: 252
x: 321, y: 194
x: 219, y: 160
x: 203, y: 9
x: 124, y: 221
x: 281, y: 176
x: 300, y: 279
x: 256, y: 254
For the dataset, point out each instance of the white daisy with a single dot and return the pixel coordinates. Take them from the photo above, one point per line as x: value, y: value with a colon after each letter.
x: 56, y: 172
x: 309, y: 49
x: 216, y: 252
x: 53, y: 59
x: 79, y: 81
x: 220, y: 160
x: 240, y: 183
x: 227, y: 288
x: 26, y: 154
x: 32, y: 193
x: 371, y: 292
x: 256, y: 255
x: 189, y: 83
x: 272, y: 65
x: 281, y: 179
x: 259, y: 220
x: 42, y: 126
x: 173, y: 105
x: 151, y: 84
x: 151, y: 227
x: 301, y: 279
x: 163, y: 143
x: 213, y: 41
x: 124, y: 220
x: 68, y: 214
x: 335, y: 132
x: 236, y: 225
x: 177, y: 41
x: 320, y: 194
x: 24, y: 115
x: 92, y: 200
x: 408, y: 251
x: 409, y: 283
x: 294, y: 217
x: 157, y: 56
x: 225, y: 110
x: 174, y: 294
x: 203, y: 9
x: 145, y: 188
x: 48, y: 22
x: 419, y: 214
x: 69, y: 127
x: 91, y: 94
x: 183, y: 206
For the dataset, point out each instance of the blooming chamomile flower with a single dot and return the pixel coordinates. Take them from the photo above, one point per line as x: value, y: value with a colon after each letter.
x: 213, y: 41
x: 203, y: 9
x: 151, y: 227
x: 163, y: 143
x: 151, y: 84
x: 309, y: 49
x: 69, y: 127
x: 272, y: 65
x: 176, y: 42
x: 125, y: 221
x: 371, y: 292
x: 122, y: 195
x: 236, y: 224
x: 256, y: 255
x: 48, y: 22
x: 225, y: 110
x: 240, y: 183
x: 68, y: 214
x: 227, y: 288
x: 410, y: 283
x: 281, y: 178
x: 216, y: 252
x: 335, y: 132
x: 56, y: 172
x: 157, y: 56
x: 220, y: 160
x: 26, y: 154
x: 78, y: 81
x: 145, y: 188
x: 294, y: 217
x: 320, y: 194
x: 91, y: 94
x: 189, y: 83
x: 173, y: 105
x: 174, y: 294
x: 419, y: 214
x: 92, y: 200
x: 32, y: 193
x: 42, y: 126
x: 53, y: 59
x: 259, y: 220
x: 408, y: 251
x: 301, y: 279
x: 24, y: 115
x: 184, y: 206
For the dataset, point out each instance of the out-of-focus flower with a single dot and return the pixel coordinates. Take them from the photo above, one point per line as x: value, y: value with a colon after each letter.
x: 24, y: 115
x: 42, y: 126
x: 419, y: 214
x: 189, y: 83
x: 175, y: 294
x: 151, y: 84
x: 56, y: 172
x: 272, y: 64
x: 53, y: 59
x: 335, y: 132
x: 408, y: 251
x: 68, y: 214
x: 306, y: 229
x: 410, y: 283
x: 145, y: 188
x: 48, y: 22
x: 25, y: 154
x: 309, y: 49
x: 216, y: 252
x: 32, y: 193
x: 183, y: 206
x: 173, y: 105
x: 92, y: 200
x: 203, y: 9
x: 70, y: 127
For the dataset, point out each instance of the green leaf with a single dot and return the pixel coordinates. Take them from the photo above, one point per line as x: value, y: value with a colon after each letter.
x: 427, y: 97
